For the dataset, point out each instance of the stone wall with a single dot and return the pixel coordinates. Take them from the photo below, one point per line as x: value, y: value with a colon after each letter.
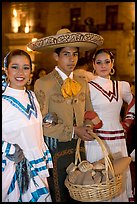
x: 53, y: 15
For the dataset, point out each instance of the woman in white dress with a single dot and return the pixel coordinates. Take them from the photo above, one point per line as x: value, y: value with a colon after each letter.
x: 25, y: 156
x: 107, y: 97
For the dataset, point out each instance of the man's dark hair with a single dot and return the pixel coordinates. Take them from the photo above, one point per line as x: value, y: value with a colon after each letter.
x: 58, y: 50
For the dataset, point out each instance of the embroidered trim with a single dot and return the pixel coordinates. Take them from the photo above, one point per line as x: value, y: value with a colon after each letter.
x: 112, y: 138
x: 129, y: 113
x: 109, y: 132
x: 57, y: 77
x: 56, y: 40
x: 31, y: 108
x: 55, y: 169
x: 109, y: 95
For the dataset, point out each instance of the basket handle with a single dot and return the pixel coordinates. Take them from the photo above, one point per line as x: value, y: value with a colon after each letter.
x: 77, y: 153
x: 108, y: 163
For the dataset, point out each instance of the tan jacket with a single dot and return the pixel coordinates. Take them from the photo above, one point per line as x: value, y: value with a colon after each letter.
x: 50, y: 98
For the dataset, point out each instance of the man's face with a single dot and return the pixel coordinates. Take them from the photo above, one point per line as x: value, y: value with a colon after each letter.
x: 67, y: 59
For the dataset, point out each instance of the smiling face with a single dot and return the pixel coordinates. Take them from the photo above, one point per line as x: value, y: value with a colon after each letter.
x: 103, y: 64
x: 67, y: 59
x: 18, y: 71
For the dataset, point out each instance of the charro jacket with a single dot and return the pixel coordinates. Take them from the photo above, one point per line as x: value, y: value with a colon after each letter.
x: 50, y: 98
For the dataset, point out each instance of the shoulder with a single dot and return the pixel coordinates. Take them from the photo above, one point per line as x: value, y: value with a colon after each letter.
x: 79, y: 78
x: 5, y: 104
x: 124, y: 84
x: 42, y: 82
x: 124, y: 87
x: 81, y: 81
x: 31, y: 92
x: 33, y: 95
x: 94, y: 80
x: 81, y: 73
x: 45, y: 78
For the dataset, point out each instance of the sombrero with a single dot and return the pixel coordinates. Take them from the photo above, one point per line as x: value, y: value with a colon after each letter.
x: 65, y: 38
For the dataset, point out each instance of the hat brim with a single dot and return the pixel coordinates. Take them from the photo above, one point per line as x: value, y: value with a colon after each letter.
x: 85, y: 41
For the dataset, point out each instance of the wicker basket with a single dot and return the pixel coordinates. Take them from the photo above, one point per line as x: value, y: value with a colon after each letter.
x: 97, y: 192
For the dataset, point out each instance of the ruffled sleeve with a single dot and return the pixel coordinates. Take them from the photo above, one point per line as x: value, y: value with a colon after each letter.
x: 126, y: 92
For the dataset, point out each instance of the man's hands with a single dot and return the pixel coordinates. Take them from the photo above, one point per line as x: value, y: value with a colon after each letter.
x: 84, y: 133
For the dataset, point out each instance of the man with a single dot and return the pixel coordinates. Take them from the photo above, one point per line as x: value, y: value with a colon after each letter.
x: 64, y: 98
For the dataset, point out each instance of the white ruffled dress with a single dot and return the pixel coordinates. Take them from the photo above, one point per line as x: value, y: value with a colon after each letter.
x: 107, y: 99
x: 22, y: 125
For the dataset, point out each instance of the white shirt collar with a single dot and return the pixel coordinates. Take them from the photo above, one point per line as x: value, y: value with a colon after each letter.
x: 62, y: 74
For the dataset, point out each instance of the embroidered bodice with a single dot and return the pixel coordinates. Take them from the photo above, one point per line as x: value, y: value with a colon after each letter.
x: 107, y: 98
x: 22, y: 123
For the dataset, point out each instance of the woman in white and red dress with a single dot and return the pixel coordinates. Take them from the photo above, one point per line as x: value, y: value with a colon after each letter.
x: 107, y: 97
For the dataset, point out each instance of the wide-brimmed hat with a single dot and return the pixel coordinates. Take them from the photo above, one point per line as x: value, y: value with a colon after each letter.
x: 65, y: 38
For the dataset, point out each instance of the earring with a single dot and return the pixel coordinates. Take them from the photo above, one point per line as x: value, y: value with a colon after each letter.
x: 112, y: 71
x: 4, y: 82
x: 29, y: 82
x: 94, y: 71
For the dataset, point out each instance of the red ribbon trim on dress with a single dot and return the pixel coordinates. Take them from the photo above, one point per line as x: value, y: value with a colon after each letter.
x: 112, y: 138
x: 109, y: 132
